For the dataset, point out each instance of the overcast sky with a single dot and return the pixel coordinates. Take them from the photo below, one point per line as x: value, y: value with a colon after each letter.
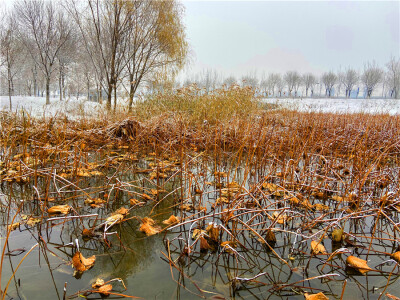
x: 241, y: 37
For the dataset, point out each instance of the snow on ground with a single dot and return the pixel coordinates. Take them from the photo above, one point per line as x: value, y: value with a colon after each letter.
x: 339, y: 105
x: 73, y: 108
x: 36, y: 106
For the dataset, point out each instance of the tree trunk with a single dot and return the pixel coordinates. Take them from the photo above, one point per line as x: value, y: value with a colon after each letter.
x: 35, y: 87
x: 131, y: 92
x: 60, y: 85
x: 88, y: 90
x: 115, y: 97
x: 109, y: 95
x: 47, y: 90
x: 9, y: 85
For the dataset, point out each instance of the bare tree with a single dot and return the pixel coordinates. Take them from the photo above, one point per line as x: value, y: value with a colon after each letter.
x: 329, y: 79
x: 44, y: 30
x: 209, y: 80
x: 229, y: 81
x: 371, y: 76
x: 10, y: 52
x: 309, y: 81
x: 104, y: 30
x: 393, y: 77
x: 272, y: 81
x: 350, y: 79
x: 293, y: 81
x: 250, y: 80
x: 68, y: 54
x: 280, y: 85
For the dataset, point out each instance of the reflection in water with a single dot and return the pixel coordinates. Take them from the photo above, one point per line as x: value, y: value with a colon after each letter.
x: 175, y: 264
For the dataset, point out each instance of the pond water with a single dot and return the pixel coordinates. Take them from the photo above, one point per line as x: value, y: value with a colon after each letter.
x: 169, y: 264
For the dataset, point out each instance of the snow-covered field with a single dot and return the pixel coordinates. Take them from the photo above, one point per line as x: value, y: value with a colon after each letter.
x: 36, y: 106
x: 339, y: 105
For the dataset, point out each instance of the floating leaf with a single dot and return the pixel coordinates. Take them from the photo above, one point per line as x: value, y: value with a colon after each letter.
x: 101, y: 287
x: 319, y: 296
x: 31, y: 221
x: 59, y: 209
x: 13, y: 226
x: 228, y: 246
x: 213, y: 232
x: 281, y: 218
x: 105, y: 289
x: 95, y: 202
x: 317, y: 248
x: 337, y: 198
x: 358, y: 264
x: 114, y: 219
x: 134, y: 202
x: 82, y: 264
x: 123, y: 211
x: 148, y: 227
x: 171, y: 220
x: 87, y: 233
x: 98, y: 283
x: 197, y: 233
x: 390, y: 296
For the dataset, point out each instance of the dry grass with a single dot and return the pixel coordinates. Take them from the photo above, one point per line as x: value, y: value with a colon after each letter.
x: 263, y: 177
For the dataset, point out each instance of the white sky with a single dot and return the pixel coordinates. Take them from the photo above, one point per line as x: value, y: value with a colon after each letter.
x: 244, y: 37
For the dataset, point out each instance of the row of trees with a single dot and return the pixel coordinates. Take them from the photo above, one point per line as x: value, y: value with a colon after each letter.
x: 292, y: 82
x: 106, y: 44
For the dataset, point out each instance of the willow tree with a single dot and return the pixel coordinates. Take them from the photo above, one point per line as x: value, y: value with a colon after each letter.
x: 157, y: 46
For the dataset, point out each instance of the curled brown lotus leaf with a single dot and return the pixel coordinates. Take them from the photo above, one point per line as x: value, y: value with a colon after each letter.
x: 95, y: 201
x: 134, y: 202
x: 228, y: 246
x: 213, y: 232
x: 358, y: 264
x: 121, y: 211
x: 98, y: 283
x: 105, y: 289
x: 59, y: 209
x: 204, y: 245
x: 197, y: 233
x: 270, y: 236
x: 114, y: 219
x: 317, y: 248
x: 148, y: 227
x: 87, y: 233
x: 101, y: 287
x: 13, y: 226
x: 393, y: 297
x: 319, y: 296
x: 396, y: 256
x: 171, y: 220
x: 82, y: 264
x: 31, y: 221
x: 280, y: 218
x: 337, y: 198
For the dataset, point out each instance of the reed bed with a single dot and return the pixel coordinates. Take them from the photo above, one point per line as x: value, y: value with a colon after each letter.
x: 274, y: 203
